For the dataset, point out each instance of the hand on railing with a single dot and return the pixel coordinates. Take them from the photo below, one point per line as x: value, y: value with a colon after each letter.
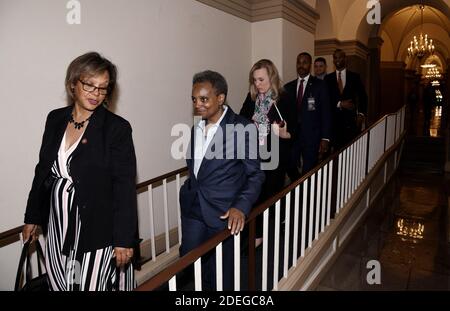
x: 236, y: 220
x: 29, y: 230
x: 361, y: 122
x: 323, y: 148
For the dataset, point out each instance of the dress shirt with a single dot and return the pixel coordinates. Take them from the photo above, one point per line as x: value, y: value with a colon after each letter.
x: 305, y: 83
x: 203, y: 138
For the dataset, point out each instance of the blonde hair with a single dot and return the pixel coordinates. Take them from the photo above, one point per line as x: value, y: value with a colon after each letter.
x: 274, y: 77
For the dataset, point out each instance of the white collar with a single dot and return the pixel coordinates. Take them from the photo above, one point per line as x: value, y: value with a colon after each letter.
x: 202, y: 123
x: 343, y: 71
x: 305, y: 78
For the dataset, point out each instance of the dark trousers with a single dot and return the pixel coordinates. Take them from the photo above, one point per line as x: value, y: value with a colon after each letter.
x: 344, y: 128
x: 309, y: 153
x: 194, y: 233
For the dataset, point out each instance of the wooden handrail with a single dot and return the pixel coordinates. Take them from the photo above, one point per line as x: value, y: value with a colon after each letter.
x: 10, y: 233
x: 184, y: 262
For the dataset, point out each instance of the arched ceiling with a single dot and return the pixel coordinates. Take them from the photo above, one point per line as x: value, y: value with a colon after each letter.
x: 402, y: 26
x: 346, y: 20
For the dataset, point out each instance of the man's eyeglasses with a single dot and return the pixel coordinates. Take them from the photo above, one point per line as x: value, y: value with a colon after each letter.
x: 91, y: 88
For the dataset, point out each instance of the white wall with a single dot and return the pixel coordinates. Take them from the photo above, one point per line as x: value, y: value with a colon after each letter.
x: 281, y: 41
x: 295, y: 41
x: 157, y: 45
x: 267, y: 42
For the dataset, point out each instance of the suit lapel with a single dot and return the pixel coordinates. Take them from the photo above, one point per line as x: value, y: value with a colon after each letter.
x: 308, y: 90
x: 91, y: 132
x: 59, y: 127
x: 205, y: 167
x: 344, y: 91
x: 190, y: 153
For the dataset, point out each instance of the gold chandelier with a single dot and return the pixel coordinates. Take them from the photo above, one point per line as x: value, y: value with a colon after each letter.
x: 421, y: 45
x: 433, y: 73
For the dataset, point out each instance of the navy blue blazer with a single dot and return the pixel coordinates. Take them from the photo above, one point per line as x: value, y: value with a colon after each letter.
x: 226, y: 181
x: 313, y: 124
x: 103, y: 170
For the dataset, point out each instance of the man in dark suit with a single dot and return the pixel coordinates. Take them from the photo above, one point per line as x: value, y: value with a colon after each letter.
x: 348, y: 100
x: 225, y: 177
x: 310, y: 96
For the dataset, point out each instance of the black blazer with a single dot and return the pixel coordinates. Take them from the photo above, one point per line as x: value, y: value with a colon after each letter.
x: 354, y: 90
x: 229, y: 180
x: 103, y: 170
x: 288, y: 114
x: 313, y: 125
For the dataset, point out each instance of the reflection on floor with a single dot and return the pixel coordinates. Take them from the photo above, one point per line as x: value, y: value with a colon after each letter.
x: 435, y: 124
x: 406, y: 231
x: 424, y: 126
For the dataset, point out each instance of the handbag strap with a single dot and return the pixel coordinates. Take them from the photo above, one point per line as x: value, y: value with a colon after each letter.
x: 23, y: 256
x: 25, y: 260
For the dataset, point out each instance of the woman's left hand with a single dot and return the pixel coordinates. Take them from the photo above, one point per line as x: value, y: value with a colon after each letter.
x: 123, y: 255
x: 281, y: 130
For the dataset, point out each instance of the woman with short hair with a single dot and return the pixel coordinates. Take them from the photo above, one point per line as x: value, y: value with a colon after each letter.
x: 83, y: 193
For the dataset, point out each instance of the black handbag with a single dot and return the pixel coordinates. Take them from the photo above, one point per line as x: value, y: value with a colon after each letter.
x: 39, y: 283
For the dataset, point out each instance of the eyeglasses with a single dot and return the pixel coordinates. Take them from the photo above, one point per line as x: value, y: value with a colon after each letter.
x: 91, y: 88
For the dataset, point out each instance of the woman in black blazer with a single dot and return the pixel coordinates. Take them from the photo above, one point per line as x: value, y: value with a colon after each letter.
x: 83, y: 193
x: 268, y: 107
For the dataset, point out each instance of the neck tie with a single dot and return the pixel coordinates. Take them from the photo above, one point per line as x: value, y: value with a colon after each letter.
x: 340, y: 84
x: 300, y: 96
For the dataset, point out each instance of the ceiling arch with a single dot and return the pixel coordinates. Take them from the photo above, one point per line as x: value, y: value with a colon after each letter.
x: 348, y: 17
x: 390, y: 8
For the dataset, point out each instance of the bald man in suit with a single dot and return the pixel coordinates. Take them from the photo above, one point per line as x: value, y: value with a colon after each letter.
x: 348, y: 100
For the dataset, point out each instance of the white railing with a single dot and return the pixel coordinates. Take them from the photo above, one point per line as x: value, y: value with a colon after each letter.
x: 160, y: 221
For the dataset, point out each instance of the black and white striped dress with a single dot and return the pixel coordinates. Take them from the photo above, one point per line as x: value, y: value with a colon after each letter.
x: 90, y: 271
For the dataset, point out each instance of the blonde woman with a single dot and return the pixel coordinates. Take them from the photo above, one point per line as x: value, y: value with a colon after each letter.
x: 267, y: 107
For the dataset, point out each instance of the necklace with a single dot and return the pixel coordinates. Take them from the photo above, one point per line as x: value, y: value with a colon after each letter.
x: 78, y: 125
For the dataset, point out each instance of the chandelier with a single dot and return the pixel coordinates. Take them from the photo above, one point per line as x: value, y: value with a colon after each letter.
x: 433, y: 73
x: 421, y: 45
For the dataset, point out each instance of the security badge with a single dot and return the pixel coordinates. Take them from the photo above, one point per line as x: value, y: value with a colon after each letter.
x: 311, y: 104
